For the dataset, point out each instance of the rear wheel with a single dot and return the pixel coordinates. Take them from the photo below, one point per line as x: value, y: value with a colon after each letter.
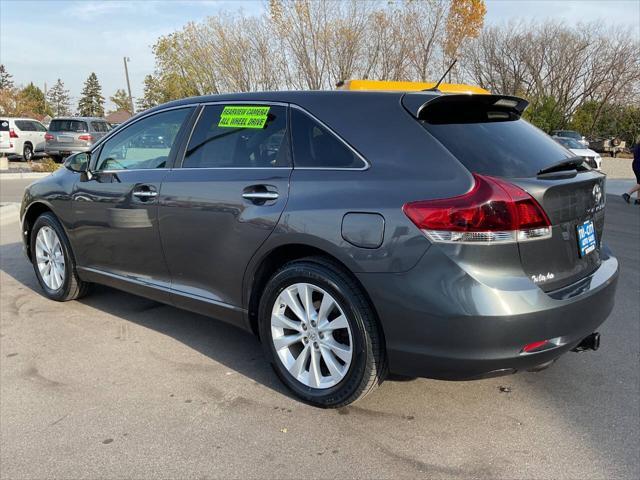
x: 53, y: 260
x: 27, y: 152
x: 321, y: 334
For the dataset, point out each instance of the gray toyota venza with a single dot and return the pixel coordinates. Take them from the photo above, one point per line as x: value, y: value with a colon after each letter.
x: 356, y: 233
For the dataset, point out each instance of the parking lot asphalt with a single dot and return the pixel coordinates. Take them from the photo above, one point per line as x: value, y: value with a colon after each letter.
x: 116, y: 386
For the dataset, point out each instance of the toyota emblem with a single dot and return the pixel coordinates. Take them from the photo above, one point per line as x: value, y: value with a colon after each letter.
x: 597, y: 193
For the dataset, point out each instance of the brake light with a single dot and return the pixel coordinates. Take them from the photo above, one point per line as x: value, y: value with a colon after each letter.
x: 494, y: 211
x: 12, y: 133
x: 85, y: 138
x: 48, y: 137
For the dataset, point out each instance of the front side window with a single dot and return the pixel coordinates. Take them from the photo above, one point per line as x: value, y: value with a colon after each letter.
x: 315, y: 146
x: 239, y: 136
x: 146, y: 144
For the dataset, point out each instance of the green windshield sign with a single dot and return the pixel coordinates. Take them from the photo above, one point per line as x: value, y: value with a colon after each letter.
x: 240, y: 116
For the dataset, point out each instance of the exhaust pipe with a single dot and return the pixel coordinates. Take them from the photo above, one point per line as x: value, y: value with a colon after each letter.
x: 591, y: 342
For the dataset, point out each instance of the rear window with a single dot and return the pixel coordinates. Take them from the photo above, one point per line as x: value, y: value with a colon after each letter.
x: 4, y: 126
x: 77, y: 126
x: 502, y: 148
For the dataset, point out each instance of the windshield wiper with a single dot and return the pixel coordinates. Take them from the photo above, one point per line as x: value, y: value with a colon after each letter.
x: 567, y: 164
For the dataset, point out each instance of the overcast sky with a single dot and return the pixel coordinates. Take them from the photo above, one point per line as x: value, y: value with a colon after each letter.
x: 41, y: 41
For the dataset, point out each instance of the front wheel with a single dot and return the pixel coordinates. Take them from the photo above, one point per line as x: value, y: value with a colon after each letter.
x: 320, y: 333
x: 53, y: 260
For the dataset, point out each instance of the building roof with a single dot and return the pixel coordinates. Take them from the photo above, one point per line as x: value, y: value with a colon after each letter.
x: 118, y: 117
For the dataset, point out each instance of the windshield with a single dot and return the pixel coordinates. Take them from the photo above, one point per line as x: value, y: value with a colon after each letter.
x: 569, y: 134
x: 512, y: 148
x: 569, y: 143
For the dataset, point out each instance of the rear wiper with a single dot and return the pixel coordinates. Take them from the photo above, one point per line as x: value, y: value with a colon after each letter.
x: 567, y: 164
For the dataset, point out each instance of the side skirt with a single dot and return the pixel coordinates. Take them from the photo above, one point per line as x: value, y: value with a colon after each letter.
x: 231, y: 314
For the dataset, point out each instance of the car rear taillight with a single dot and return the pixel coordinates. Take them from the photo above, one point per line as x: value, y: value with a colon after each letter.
x: 48, y: 137
x: 85, y: 138
x: 493, y: 211
x: 12, y: 133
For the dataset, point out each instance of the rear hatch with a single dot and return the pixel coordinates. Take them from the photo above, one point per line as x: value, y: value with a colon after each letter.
x: 68, y: 134
x: 486, y: 134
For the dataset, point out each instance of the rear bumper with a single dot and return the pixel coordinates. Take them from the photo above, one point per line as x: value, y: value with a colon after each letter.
x: 65, y: 151
x: 7, y: 150
x: 441, y: 322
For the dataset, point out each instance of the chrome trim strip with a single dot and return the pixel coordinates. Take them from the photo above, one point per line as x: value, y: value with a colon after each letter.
x: 155, y: 286
x: 260, y: 196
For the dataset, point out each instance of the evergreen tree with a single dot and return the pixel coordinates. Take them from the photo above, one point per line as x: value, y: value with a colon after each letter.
x: 91, y: 102
x: 58, y: 98
x: 6, y: 80
x: 34, y: 101
x: 121, y: 100
x: 152, y: 94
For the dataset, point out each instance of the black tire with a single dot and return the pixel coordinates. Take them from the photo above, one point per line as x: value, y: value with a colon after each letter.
x: 72, y: 287
x: 368, y: 364
x: 27, y: 152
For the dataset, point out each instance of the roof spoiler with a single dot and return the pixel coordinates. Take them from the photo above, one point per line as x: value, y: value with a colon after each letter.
x: 425, y: 107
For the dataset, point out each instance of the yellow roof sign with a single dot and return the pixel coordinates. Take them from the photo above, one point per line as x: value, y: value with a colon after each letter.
x: 410, y: 86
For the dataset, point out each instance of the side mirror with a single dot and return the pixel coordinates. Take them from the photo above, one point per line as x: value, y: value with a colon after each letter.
x: 78, y: 163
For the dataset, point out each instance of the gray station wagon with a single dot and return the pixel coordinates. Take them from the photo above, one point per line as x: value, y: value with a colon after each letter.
x: 356, y: 233
x: 68, y: 135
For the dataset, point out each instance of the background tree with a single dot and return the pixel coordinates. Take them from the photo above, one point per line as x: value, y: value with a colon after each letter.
x: 59, y: 100
x: 464, y: 21
x: 91, y: 102
x: 121, y: 101
x: 6, y: 80
x: 33, y: 101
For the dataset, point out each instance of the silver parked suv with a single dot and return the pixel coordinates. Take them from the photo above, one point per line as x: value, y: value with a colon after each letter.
x: 69, y: 135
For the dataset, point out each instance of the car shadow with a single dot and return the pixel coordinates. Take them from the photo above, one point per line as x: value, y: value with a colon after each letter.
x: 228, y: 345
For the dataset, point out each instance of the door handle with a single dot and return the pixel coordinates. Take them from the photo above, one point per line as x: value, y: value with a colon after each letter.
x: 145, y: 192
x: 264, y: 196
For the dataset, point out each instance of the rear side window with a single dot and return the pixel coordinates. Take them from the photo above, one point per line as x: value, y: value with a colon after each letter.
x: 101, y: 127
x: 255, y: 137
x: 76, y: 126
x: 504, y: 148
x: 38, y: 127
x: 316, y: 147
x: 24, y: 125
x: 4, y: 126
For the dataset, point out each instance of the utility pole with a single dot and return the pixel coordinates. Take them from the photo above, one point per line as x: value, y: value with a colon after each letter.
x: 126, y: 73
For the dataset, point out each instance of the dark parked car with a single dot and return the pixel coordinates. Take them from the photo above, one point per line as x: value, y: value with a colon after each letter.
x: 357, y: 233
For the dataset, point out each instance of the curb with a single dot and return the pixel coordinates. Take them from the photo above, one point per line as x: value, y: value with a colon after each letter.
x: 21, y: 175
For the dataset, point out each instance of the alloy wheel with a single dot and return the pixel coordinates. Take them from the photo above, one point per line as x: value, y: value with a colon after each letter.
x: 311, y: 335
x: 50, y: 258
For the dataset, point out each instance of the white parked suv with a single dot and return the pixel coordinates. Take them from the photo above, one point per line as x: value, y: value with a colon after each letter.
x: 21, y: 136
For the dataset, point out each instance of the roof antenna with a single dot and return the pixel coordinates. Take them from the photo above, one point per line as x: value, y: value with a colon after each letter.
x: 435, y: 87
